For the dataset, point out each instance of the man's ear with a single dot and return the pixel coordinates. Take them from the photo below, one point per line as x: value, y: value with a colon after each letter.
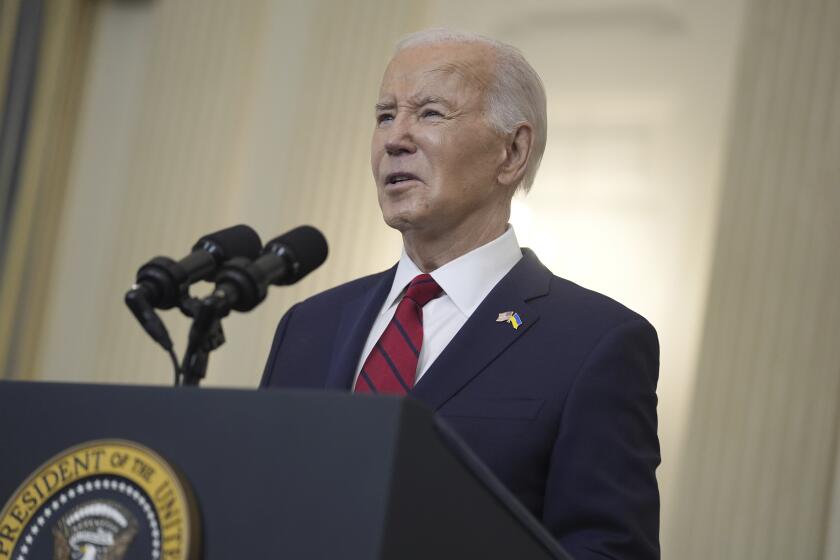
x: 518, y: 152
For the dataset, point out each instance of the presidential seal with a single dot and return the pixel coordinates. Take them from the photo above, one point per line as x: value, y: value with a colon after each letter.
x: 102, y: 500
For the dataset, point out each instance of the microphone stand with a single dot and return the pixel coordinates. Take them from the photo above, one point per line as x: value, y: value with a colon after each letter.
x: 205, y: 336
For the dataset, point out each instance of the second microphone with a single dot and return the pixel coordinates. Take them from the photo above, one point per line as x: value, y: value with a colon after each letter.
x: 242, y: 284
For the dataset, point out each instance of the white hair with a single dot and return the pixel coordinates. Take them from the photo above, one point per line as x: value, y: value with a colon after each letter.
x: 516, y: 94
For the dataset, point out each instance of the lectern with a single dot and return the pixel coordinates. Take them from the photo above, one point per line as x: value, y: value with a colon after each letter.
x: 236, y: 474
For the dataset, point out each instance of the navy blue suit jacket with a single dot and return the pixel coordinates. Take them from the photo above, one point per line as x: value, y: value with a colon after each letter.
x: 562, y: 410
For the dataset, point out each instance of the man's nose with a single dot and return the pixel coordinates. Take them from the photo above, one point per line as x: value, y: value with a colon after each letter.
x: 399, y: 137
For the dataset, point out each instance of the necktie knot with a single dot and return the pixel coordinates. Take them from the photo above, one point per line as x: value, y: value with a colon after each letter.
x: 423, y: 289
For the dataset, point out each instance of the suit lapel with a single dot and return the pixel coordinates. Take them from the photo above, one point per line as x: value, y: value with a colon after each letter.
x: 357, y: 317
x: 482, y: 339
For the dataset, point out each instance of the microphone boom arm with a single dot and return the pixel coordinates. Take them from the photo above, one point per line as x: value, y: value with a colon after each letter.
x: 206, y: 335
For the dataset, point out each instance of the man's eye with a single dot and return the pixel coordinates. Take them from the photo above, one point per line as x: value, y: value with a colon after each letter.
x: 384, y: 117
x: 431, y: 113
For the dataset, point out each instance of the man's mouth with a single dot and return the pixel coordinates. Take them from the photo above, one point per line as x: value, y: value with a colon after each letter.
x: 400, y: 177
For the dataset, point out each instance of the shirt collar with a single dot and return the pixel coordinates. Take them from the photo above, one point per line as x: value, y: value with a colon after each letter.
x: 468, y: 279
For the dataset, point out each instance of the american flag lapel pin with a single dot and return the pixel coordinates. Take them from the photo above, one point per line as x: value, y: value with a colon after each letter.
x: 511, y: 317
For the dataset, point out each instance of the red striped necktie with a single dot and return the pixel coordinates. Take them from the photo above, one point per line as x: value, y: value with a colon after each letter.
x: 391, y: 366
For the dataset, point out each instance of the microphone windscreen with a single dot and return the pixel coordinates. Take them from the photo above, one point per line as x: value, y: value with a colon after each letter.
x: 307, y: 246
x: 228, y: 243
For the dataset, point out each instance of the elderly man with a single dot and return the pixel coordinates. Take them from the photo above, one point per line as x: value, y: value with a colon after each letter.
x: 552, y: 385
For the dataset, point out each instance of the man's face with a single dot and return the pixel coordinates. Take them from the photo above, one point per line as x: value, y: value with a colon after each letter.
x: 434, y: 156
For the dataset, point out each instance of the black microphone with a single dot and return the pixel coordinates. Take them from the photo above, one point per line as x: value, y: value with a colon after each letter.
x: 242, y: 285
x: 162, y: 282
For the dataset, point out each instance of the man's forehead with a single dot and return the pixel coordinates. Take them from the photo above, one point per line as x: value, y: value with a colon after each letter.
x: 446, y: 63
x: 473, y: 71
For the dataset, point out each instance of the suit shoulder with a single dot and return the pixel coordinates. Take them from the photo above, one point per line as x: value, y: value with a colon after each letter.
x: 587, y: 306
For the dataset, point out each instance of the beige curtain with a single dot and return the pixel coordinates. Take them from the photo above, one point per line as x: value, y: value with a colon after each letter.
x: 66, y: 28
x: 758, y: 468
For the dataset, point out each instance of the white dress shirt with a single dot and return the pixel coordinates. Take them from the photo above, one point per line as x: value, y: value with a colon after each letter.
x: 465, y: 281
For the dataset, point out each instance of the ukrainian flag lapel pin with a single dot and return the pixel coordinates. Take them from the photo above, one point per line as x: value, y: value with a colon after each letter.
x: 511, y: 317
